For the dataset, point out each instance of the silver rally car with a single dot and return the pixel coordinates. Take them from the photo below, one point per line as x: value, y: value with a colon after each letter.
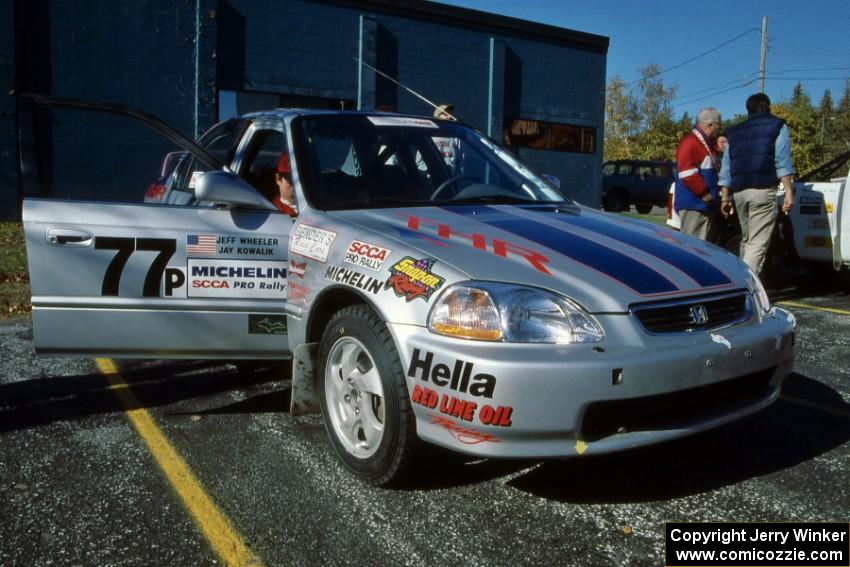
x: 431, y: 288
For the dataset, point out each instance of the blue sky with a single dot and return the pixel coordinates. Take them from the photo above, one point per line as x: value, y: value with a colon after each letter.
x: 807, y: 39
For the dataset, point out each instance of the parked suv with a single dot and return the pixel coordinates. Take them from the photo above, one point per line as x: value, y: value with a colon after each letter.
x: 639, y: 183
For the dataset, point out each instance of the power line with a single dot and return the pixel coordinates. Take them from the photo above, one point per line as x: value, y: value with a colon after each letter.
x: 818, y: 58
x: 812, y: 70
x: 720, y: 90
x: 692, y: 59
x: 812, y: 47
x: 746, y: 77
x: 741, y: 86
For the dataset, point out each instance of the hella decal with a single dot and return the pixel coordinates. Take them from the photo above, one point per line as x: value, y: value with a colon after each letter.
x: 459, y: 377
x: 366, y: 255
x: 411, y: 278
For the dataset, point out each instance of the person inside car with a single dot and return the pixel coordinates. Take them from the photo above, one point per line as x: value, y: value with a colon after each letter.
x: 285, y: 199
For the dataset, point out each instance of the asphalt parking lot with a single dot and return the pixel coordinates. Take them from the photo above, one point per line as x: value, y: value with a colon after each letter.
x: 198, y: 463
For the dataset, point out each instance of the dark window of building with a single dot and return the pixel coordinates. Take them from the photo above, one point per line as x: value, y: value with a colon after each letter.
x: 539, y: 135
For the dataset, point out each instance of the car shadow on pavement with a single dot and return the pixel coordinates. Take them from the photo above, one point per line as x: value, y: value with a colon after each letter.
x: 184, y: 384
x: 810, y: 419
x: 439, y: 468
x: 807, y: 282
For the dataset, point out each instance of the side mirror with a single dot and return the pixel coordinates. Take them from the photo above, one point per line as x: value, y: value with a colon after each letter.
x: 228, y: 188
x: 553, y: 180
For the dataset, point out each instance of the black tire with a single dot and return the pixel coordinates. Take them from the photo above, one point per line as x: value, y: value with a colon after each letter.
x: 387, y: 459
x: 644, y: 208
x: 617, y: 200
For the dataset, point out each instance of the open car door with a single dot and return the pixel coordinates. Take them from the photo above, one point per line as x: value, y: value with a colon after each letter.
x: 114, y: 275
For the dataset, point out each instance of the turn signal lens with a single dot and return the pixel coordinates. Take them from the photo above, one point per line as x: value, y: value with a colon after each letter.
x: 468, y: 313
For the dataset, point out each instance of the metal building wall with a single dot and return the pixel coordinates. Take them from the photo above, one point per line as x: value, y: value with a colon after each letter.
x: 170, y: 58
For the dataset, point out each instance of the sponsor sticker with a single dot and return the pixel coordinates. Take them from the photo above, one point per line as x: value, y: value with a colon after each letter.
x: 411, y: 278
x: 297, y: 269
x: 266, y: 324
x: 353, y: 278
x: 298, y: 293
x: 402, y: 121
x: 464, y: 410
x: 366, y: 255
x: 259, y: 279
x: 311, y: 242
x: 464, y: 435
x: 460, y: 376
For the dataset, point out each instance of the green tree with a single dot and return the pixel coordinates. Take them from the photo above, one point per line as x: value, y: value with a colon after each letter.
x: 804, y: 123
x: 841, y: 125
x: 827, y: 115
x: 622, y: 120
x: 660, y: 133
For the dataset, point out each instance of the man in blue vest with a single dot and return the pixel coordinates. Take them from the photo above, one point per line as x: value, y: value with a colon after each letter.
x: 756, y: 160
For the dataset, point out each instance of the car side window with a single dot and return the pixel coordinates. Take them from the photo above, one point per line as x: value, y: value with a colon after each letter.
x: 260, y: 161
x: 221, y: 142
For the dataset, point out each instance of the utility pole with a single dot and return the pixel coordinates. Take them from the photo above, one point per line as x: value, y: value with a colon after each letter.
x: 763, y: 53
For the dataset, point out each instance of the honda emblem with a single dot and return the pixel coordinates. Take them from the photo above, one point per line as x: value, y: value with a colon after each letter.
x: 699, y: 315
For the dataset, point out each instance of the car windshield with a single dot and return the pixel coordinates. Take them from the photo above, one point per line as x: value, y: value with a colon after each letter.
x: 360, y: 161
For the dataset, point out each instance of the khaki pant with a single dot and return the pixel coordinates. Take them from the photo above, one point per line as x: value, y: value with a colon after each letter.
x: 700, y: 224
x: 757, y: 213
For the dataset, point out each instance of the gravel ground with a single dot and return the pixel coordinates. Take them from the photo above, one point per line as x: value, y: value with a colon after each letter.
x: 79, y: 487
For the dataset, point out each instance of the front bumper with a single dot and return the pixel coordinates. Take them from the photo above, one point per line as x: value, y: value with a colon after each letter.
x: 632, y: 389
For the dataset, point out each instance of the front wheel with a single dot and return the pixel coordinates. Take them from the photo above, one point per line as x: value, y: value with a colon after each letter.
x: 365, y: 403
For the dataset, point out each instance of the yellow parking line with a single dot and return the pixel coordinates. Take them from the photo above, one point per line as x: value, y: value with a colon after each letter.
x: 216, y: 528
x: 815, y: 307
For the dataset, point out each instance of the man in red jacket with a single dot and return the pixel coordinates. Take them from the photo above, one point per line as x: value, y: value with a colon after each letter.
x: 285, y: 199
x: 696, y: 183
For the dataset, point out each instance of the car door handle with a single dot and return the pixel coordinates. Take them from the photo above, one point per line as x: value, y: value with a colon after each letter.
x: 68, y: 237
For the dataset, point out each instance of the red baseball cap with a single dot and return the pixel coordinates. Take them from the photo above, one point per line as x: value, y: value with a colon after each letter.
x: 283, y: 165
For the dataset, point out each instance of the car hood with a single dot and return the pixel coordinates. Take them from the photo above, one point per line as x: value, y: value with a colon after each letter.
x: 603, y: 261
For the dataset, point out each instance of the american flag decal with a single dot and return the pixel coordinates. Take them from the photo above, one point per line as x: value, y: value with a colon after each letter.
x: 201, y: 244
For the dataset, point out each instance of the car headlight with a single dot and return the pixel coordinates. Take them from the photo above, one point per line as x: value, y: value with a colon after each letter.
x: 759, y: 293
x: 511, y: 313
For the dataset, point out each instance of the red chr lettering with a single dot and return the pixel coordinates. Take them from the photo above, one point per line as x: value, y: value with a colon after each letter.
x: 500, y: 248
x: 539, y: 261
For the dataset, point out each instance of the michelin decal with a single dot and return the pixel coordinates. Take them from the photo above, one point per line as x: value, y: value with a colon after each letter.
x: 255, y: 279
